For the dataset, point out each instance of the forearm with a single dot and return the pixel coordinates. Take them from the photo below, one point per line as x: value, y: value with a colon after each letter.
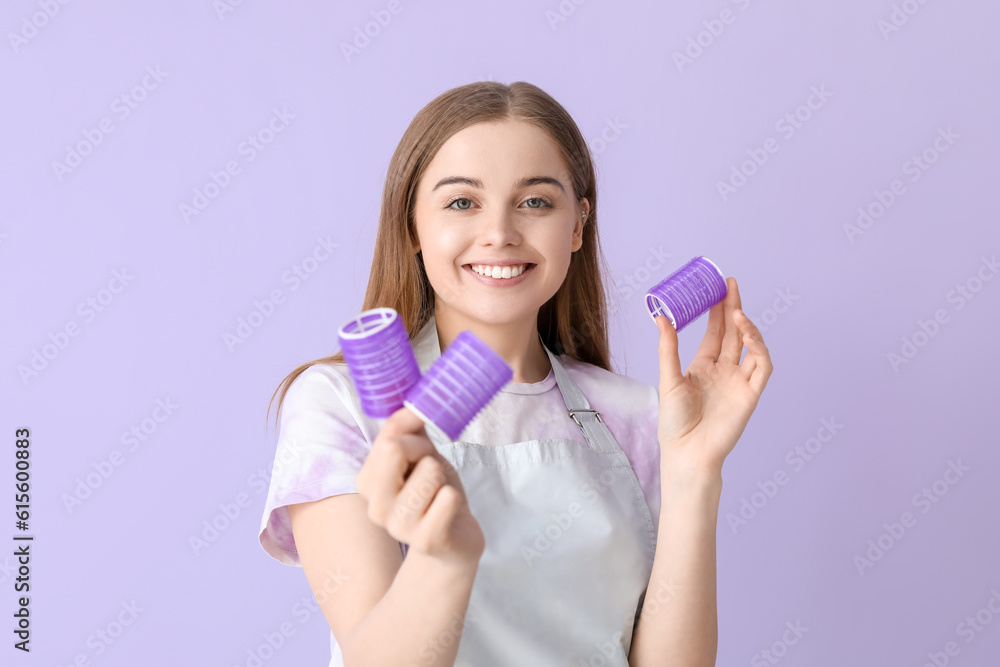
x: 419, y: 620
x: 678, y: 626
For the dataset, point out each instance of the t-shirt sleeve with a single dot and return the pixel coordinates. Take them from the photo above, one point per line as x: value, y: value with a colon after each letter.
x: 320, y: 450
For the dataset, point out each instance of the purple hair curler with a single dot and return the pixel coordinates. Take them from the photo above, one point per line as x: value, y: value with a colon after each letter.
x: 459, y: 384
x: 380, y: 359
x: 687, y: 293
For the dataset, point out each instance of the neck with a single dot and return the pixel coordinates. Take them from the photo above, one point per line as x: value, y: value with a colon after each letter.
x: 516, y: 342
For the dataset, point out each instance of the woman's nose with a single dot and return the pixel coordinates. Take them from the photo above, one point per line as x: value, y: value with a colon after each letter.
x: 500, y: 228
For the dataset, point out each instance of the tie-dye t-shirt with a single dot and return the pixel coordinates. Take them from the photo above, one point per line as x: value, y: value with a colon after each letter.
x: 324, y: 436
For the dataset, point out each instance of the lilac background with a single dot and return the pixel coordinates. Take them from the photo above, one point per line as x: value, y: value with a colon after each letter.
x: 679, y: 131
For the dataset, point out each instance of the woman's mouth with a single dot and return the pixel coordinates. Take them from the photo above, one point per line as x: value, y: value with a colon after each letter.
x: 506, y: 276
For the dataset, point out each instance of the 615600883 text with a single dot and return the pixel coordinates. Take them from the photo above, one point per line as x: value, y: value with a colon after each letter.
x: 22, y: 550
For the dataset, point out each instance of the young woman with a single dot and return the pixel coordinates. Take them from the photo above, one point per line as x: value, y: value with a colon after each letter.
x: 574, y: 523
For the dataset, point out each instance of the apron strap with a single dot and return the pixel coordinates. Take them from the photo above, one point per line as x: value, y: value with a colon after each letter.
x: 589, y: 421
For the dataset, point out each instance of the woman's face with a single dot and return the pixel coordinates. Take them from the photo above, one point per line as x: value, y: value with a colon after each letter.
x: 497, y: 193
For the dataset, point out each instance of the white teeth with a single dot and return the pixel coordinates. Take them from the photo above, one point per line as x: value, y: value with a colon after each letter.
x: 499, y: 271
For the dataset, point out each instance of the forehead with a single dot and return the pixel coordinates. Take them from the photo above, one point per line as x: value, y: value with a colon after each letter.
x: 497, y: 149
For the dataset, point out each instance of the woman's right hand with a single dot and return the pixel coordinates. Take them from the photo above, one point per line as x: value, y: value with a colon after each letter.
x: 415, y: 493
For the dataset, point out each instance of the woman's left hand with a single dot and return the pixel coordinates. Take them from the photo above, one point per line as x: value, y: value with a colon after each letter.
x: 704, y: 412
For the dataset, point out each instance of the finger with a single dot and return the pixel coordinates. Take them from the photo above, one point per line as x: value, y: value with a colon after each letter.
x: 754, y: 342
x: 750, y: 360
x: 758, y: 380
x: 670, y: 362
x: 388, y: 464
x: 386, y: 453
x: 416, y: 496
x: 711, y: 344
x: 403, y: 420
x: 432, y: 532
x: 450, y: 474
x: 732, y: 340
x: 756, y: 367
x: 405, y: 423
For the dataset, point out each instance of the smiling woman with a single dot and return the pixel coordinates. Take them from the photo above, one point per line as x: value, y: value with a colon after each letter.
x: 509, y: 221
x: 531, y: 540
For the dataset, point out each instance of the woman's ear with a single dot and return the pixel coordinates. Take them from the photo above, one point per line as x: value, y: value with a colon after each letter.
x: 578, y: 227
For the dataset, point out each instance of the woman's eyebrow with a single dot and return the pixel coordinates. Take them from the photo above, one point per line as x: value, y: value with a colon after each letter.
x: 476, y: 183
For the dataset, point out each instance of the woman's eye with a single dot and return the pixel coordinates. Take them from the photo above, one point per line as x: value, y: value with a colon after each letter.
x: 464, y: 203
x: 542, y: 203
x: 460, y: 199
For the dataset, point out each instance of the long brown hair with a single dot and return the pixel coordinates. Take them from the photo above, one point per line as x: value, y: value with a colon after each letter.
x: 574, y: 321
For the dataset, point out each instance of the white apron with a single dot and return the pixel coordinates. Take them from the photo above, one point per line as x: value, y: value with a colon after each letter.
x: 569, y: 546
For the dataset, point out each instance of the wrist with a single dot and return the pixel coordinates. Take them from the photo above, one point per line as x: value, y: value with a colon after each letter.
x: 452, y: 567
x: 688, y: 472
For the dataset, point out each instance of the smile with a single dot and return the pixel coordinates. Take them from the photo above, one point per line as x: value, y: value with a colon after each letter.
x: 485, y: 274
